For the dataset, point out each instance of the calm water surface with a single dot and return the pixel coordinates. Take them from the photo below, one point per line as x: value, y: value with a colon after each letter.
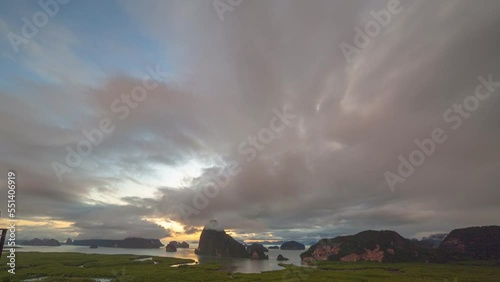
x: 229, y: 264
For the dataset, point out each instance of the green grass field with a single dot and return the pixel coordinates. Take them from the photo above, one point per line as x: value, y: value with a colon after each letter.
x: 87, y: 267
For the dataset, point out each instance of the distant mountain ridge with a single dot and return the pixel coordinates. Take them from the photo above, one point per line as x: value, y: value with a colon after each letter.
x: 131, y: 243
x: 40, y: 242
x: 433, y: 241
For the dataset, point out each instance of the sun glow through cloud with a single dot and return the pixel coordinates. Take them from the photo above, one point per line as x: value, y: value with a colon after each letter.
x: 177, y: 176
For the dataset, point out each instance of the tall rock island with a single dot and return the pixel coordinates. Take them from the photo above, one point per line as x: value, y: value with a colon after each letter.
x: 215, y: 242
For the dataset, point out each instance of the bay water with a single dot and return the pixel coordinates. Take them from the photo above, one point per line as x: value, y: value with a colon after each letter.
x: 228, y: 264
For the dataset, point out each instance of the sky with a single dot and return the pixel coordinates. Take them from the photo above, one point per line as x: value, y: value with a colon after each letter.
x: 279, y: 119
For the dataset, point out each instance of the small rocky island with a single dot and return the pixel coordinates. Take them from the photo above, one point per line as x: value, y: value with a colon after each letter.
x: 171, y: 247
x: 257, y: 251
x: 281, y: 258
x: 292, y: 245
x: 183, y: 245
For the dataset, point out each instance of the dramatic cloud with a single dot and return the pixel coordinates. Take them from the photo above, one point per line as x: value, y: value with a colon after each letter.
x: 322, y: 175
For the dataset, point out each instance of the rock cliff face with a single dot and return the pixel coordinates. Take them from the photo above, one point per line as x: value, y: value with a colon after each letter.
x: 131, y: 243
x: 215, y: 242
x: 370, y: 255
x: 367, y: 245
x: 478, y: 243
x: 473, y: 243
x: 292, y: 245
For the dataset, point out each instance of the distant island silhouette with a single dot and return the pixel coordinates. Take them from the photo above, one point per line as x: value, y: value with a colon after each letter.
x: 129, y: 243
